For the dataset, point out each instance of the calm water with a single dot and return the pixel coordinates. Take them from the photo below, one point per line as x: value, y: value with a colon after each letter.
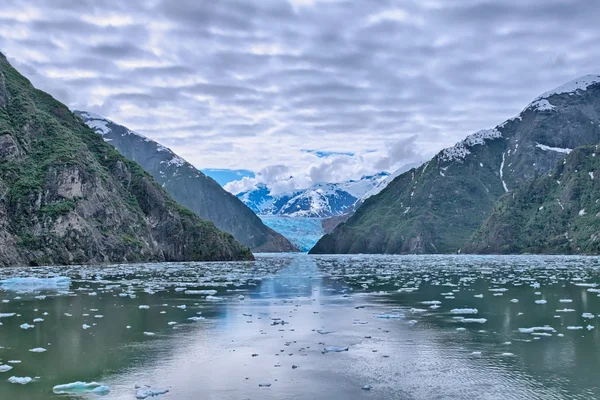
x: 416, y: 327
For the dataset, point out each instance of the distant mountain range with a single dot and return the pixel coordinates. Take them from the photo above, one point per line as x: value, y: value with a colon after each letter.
x: 322, y: 200
x: 190, y: 187
x: 451, y: 203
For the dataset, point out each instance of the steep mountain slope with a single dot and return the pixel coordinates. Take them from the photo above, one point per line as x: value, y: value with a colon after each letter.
x: 321, y: 200
x: 555, y: 213
x: 67, y: 197
x: 190, y: 187
x: 437, y: 207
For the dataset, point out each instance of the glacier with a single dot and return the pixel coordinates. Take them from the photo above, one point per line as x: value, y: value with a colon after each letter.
x: 304, y: 233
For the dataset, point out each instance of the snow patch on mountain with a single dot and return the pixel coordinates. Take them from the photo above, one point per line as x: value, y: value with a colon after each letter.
x: 572, y: 87
x: 461, y: 149
x: 557, y: 149
x: 541, y: 105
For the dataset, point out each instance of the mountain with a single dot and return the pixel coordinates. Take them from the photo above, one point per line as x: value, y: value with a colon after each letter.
x: 438, y: 206
x: 321, y: 200
x: 67, y: 197
x: 556, y: 213
x: 190, y: 187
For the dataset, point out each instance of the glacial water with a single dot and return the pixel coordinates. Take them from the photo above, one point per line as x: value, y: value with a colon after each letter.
x: 304, y: 233
x: 304, y: 327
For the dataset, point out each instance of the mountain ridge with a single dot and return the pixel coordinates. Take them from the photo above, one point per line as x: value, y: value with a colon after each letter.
x: 189, y: 186
x: 67, y: 197
x: 437, y: 207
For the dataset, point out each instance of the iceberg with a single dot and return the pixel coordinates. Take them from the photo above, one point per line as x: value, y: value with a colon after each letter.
x: 32, y: 284
x: 5, y: 368
x: 464, y: 311
x: 20, y: 380
x: 81, y: 387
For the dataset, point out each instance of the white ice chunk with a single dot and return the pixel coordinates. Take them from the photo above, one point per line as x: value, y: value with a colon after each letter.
x: 20, y: 380
x: 147, y: 391
x: 81, y: 387
x: 37, y: 350
x: 464, y: 311
x: 5, y: 368
x: 32, y: 284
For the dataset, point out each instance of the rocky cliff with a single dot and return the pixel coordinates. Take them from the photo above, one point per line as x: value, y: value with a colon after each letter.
x: 67, y: 197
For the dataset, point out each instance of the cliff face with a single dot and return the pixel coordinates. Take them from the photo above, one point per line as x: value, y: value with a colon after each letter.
x: 67, y: 197
x: 555, y: 213
x: 437, y: 207
x: 190, y: 187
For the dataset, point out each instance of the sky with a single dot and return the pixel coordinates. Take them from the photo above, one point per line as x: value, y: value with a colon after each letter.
x: 301, y: 91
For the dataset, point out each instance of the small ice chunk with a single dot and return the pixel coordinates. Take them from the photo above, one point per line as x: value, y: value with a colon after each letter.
x: 144, y: 307
x: 431, y: 302
x: 147, y: 391
x: 473, y: 320
x: 20, y: 380
x: 335, y: 349
x: 196, y: 318
x: 38, y: 320
x: 540, y: 302
x: 241, y: 297
x: 213, y: 298
x: 390, y: 316
x: 149, y: 333
x: 507, y: 354
x: 589, y: 327
x: 479, y: 296
x: 464, y: 311
x: 514, y: 300
x: 587, y: 315
x: 182, y: 307
x: 26, y: 326
x: 565, y: 300
x: 565, y: 310
x: 574, y: 328
x: 203, y: 292
x: 81, y: 387
x: 37, y: 350
x: 6, y: 315
x: 85, y: 326
x: 5, y: 368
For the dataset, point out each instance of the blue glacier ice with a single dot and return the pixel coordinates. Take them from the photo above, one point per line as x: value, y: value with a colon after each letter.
x: 81, y: 387
x: 302, y: 232
x: 31, y: 284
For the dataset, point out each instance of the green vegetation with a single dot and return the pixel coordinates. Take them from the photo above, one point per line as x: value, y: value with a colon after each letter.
x: 60, y: 167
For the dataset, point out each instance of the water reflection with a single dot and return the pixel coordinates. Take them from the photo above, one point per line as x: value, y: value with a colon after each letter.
x: 271, y: 334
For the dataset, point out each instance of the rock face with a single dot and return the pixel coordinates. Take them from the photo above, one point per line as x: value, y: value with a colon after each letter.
x: 437, y: 207
x: 67, y: 197
x: 555, y: 213
x: 190, y: 187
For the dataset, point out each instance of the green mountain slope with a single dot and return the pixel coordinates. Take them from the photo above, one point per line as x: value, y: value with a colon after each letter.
x: 67, y: 197
x: 437, y: 207
x: 190, y: 187
x: 555, y: 213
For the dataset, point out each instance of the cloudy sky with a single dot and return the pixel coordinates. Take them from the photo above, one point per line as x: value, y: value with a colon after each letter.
x: 317, y: 90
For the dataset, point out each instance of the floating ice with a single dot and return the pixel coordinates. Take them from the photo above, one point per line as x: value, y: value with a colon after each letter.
x: 85, y: 326
x: 464, y: 311
x: 474, y: 320
x: 566, y: 310
x: 514, y: 300
x: 143, y: 307
x: 195, y: 319
x: 390, y: 316
x: 540, y: 302
x: 147, y: 391
x: 203, y: 292
x: 589, y: 327
x: 213, y: 298
x: 182, y: 307
x: 431, y: 302
x: 5, y: 368
x: 537, y: 328
x: 6, y: 315
x: 479, y: 296
x: 592, y: 285
x: 574, y: 328
x: 81, y: 387
x: 37, y: 350
x: 26, y: 326
x: 565, y: 300
x: 20, y: 380
x: 149, y: 333
x: 587, y: 315
x: 38, y: 320
x: 498, y: 290
x: 32, y: 284
x: 334, y: 349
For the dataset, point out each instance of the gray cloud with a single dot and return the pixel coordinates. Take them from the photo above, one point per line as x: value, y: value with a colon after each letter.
x: 249, y: 84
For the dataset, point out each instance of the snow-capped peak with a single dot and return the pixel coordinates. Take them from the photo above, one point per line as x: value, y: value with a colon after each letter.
x: 460, y: 150
x: 573, y: 86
